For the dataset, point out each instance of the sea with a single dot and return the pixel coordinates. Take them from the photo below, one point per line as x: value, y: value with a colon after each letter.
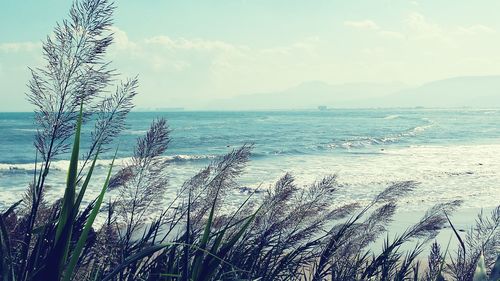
x: 452, y: 153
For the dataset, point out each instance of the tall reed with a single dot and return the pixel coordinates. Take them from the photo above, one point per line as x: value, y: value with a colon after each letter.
x: 286, y: 233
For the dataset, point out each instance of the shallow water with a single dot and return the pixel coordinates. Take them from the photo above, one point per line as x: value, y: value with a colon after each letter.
x: 454, y: 154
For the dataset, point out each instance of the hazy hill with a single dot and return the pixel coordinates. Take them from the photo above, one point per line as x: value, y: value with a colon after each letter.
x: 310, y: 95
x: 467, y: 91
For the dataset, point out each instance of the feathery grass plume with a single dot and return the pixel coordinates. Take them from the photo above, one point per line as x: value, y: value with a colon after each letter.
x: 482, y: 239
x: 59, y: 251
x: 339, y: 235
x: 287, y: 233
x: 358, y: 237
x: 289, y: 229
x: 53, y: 246
x: 75, y: 74
x: 213, y: 182
x: 143, y: 189
x: 91, y: 20
x: 435, y: 264
x: 426, y: 229
x: 140, y: 186
x: 110, y: 114
x: 172, y: 258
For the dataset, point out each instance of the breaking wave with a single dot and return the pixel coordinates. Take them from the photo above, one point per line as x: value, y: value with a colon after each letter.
x: 390, y: 117
x: 62, y: 165
x: 358, y: 142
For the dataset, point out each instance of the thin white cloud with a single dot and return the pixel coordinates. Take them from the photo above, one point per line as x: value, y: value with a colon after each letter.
x: 475, y: 29
x: 391, y: 34
x: 216, y: 67
x: 308, y: 45
x: 362, y: 24
x: 422, y: 27
x: 121, y: 40
x: 190, y: 44
x: 19, y: 46
x: 373, y: 26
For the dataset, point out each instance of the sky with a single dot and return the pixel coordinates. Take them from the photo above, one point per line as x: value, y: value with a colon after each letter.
x: 191, y: 51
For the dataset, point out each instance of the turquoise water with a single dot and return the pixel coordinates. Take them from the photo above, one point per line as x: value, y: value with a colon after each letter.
x: 453, y: 153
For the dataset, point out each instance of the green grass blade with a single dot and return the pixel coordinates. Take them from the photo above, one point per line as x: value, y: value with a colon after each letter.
x: 462, y: 244
x: 6, y: 263
x: 171, y: 268
x: 85, y: 183
x: 69, y: 192
x: 210, y: 265
x: 57, y: 256
x: 88, y: 225
x: 208, y: 226
x: 186, y: 248
x: 439, y: 276
x: 240, y: 233
x: 38, y: 248
x: 12, y: 208
x: 136, y: 257
x: 218, y: 241
x: 209, y: 254
x: 204, y: 241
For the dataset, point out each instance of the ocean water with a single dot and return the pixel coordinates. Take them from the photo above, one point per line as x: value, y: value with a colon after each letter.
x: 453, y: 154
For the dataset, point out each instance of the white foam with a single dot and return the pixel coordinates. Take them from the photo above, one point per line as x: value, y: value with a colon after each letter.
x: 467, y: 172
x: 26, y: 130
x: 184, y: 157
x: 393, y: 138
x: 14, y: 167
x: 391, y: 117
x: 135, y: 132
x: 62, y: 165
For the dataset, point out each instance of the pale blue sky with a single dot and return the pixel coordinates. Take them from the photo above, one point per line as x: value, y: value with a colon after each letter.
x: 187, y: 52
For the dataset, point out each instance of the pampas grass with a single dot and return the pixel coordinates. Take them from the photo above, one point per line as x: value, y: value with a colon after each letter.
x: 286, y: 233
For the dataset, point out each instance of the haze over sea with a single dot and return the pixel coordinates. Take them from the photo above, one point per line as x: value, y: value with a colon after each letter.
x: 453, y: 153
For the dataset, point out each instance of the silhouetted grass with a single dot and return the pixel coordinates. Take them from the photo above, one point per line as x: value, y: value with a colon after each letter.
x: 286, y: 233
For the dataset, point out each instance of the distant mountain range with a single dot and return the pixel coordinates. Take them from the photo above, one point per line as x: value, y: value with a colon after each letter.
x: 467, y: 91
